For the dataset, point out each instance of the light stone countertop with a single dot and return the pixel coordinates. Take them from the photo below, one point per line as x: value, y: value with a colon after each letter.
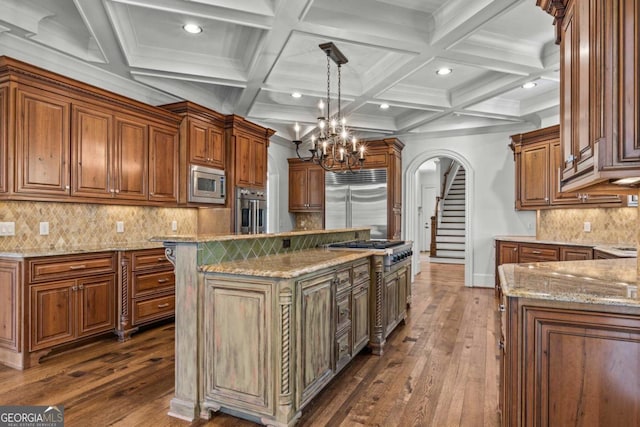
x: 201, y: 238
x: 609, y: 282
x: 610, y: 248
x: 287, y: 265
x: 77, y: 250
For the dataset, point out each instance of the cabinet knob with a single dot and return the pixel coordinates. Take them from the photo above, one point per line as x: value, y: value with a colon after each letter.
x: 501, y: 345
x: 117, y: 191
x: 515, y: 249
x: 74, y: 288
x: 66, y: 187
x: 81, y: 287
x: 501, y: 308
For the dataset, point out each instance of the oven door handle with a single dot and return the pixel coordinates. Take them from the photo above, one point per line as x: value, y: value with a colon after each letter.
x: 254, y: 217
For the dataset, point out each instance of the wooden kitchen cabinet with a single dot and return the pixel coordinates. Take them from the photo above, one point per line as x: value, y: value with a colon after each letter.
x: 4, y: 138
x: 273, y: 343
x: 568, y: 364
x: 538, y: 162
x: 146, y: 291
x: 599, y: 70
x: 306, y: 186
x: 247, y: 145
x: 69, y: 297
x: 163, y: 164
x: 206, y: 144
x: 42, y: 143
x: 109, y: 155
x: 76, y: 143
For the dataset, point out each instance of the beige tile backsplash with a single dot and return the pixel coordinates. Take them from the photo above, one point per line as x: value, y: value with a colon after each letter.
x: 309, y: 221
x: 74, y: 224
x: 608, y: 225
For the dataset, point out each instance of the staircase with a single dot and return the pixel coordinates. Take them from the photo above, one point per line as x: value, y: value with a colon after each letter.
x: 450, y: 234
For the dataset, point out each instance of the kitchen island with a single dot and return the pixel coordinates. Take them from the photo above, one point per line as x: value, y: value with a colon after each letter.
x: 570, y: 340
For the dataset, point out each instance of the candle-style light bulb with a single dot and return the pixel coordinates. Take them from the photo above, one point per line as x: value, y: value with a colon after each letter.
x: 354, y: 141
x: 343, y: 121
x: 344, y: 134
x: 333, y: 125
x: 362, y: 152
x: 324, y: 147
x: 321, y: 106
x: 341, y: 154
x: 297, y: 128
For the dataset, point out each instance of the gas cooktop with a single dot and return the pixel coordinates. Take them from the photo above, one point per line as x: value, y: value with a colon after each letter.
x: 368, y: 244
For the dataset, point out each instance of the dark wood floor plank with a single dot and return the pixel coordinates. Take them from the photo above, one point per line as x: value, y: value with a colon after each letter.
x: 439, y: 369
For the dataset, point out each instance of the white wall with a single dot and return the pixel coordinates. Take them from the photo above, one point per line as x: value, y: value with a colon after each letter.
x: 279, y: 218
x: 493, y: 211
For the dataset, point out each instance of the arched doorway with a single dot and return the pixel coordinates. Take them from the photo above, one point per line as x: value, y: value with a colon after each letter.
x: 413, y: 222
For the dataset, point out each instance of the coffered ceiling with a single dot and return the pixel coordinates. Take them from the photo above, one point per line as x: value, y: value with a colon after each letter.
x: 252, y: 54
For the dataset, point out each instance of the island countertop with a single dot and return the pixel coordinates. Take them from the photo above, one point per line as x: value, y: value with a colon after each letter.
x: 78, y: 250
x: 609, y: 282
x: 286, y: 265
x: 201, y: 238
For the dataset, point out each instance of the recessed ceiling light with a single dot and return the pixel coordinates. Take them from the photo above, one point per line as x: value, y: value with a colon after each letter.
x: 384, y: 106
x: 529, y: 85
x: 192, y: 28
x: 444, y: 71
x: 296, y: 95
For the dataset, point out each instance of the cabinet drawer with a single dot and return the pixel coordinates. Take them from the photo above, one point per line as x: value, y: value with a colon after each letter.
x: 152, y: 282
x: 343, y: 308
x: 361, y: 272
x: 343, y: 349
x: 153, y: 309
x: 344, y: 279
x: 50, y: 268
x: 149, y: 259
x: 539, y: 253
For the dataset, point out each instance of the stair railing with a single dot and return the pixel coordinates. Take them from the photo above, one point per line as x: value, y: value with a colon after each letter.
x: 447, y: 182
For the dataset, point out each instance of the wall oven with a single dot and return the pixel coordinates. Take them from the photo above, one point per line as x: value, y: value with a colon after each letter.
x: 251, y: 211
x: 206, y: 185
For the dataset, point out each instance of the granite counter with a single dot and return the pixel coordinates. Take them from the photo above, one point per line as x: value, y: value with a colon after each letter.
x: 75, y: 250
x: 286, y: 265
x: 608, y: 282
x: 622, y: 250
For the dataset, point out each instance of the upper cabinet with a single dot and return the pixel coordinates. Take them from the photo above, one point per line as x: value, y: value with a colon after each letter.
x: 73, y: 142
x: 599, y: 116
x: 306, y: 186
x: 538, y: 160
x: 247, y: 149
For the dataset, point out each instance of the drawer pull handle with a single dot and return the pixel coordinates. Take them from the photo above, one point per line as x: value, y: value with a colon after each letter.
x: 163, y: 280
x: 343, y: 348
x: 536, y: 252
x: 166, y: 304
x: 344, y: 312
x: 77, y: 267
x: 160, y: 259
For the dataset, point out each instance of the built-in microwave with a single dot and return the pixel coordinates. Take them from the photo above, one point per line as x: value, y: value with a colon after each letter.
x: 206, y: 185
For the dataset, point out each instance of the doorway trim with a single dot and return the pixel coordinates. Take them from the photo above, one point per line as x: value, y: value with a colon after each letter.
x: 410, y: 219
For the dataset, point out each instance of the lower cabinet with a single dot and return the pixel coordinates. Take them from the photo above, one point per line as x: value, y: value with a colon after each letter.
x: 568, y: 364
x: 271, y: 344
x: 146, y: 290
x: 68, y: 297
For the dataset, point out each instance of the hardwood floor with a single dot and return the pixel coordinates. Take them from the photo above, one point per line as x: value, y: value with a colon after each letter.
x: 438, y: 369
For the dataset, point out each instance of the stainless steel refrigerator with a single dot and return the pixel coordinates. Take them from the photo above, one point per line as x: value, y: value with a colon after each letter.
x: 357, y: 200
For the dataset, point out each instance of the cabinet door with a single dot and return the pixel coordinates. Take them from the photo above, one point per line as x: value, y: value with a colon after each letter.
x: 42, y: 143
x: 534, y: 176
x: 360, y: 321
x: 52, y: 314
x: 391, y: 303
x: 244, y: 160
x: 4, y: 138
x: 317, y: 333
x: 558, y: 197
x: 96, y: 304
x: 507, y: 253
x: 575, y: 253
x: 131, y: 160
x: 198, y: 151
x: 315, y: 188
x: 216, y: 147
x: 10, y: 299
x: 403, y: 284
x: 629, y: 68
x: 580, y: 368
x: 91, y: 152
x: 297, y: 189
x: 260, y: 161
x: 163, y: 165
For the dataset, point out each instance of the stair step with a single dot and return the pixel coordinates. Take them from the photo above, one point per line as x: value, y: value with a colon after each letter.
x: 450, y: 253
x: 450, y: 239
x: 456, y: 191
x: 455, y: 246
x: 450, y: 232
x: 452, y: 220
x: 443, y: 260
x: 451, y: 226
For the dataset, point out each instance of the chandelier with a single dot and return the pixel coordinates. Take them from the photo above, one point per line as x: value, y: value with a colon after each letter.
x: 332, y: 146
